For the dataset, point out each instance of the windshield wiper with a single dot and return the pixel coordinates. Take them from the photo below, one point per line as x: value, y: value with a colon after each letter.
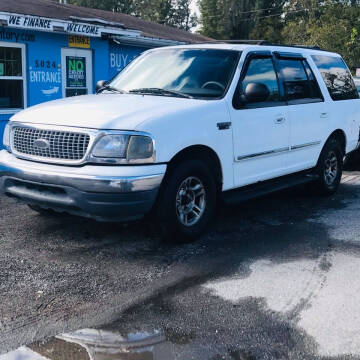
x: 160, y: 92
x: 113, y: 89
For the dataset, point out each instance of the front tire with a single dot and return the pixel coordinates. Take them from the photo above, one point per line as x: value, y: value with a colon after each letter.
x: 187, y: 201
x: 329, y: 168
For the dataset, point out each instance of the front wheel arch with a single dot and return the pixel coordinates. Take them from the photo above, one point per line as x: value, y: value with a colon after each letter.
x: 203, y: 153
x: 166, y: 207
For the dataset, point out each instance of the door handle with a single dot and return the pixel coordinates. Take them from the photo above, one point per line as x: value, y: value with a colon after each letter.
x: 324, y: 115
x: 224, y: 125
x: 280, y: 120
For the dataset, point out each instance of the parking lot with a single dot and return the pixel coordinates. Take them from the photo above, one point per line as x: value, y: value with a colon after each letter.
x: 275, y: 278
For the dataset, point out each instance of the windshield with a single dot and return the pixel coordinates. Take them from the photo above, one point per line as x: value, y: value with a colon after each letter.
x: 198, y: 73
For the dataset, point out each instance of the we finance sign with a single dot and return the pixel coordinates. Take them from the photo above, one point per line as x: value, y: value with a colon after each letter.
x: 46, y: 24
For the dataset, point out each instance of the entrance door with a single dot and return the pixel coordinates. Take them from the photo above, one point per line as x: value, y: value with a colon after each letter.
x: 76, y: 72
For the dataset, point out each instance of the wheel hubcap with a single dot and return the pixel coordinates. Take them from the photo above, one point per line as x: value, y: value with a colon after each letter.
x: 331, y: 168
x: 190, y: 201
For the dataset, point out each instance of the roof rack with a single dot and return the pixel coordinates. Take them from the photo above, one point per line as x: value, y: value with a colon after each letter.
x: 260, y: 42
x: 250, y: 42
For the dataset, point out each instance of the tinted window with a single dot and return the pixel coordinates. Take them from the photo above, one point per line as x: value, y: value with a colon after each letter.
x: 357, y: 84
x: 337, y: 77
x: 314, y: 86
x: 10, y: 61
x: 11, y: 94
x: 11, y: 78
x: 295, y: 79
x: 262, y: 71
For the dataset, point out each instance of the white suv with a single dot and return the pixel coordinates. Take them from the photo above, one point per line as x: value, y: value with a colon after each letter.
x: 182, y: 127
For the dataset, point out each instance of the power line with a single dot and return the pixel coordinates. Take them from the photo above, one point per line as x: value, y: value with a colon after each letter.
x: 272, y: 15
x: 261, y: 17
x: 249, y: 11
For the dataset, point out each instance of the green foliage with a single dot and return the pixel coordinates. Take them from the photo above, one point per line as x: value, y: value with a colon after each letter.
x: 175, y: 13
x: 241, y: 19
x: 331, y: 24
x: 334, y: 26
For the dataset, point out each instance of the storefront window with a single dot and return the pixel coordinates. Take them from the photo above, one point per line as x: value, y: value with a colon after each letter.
x: 11, y: 77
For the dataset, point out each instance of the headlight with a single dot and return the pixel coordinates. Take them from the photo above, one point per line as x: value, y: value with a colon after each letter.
x: 140, y: 150
x: 6, y: 137
x: 124, y: 148
x: 112, y: 146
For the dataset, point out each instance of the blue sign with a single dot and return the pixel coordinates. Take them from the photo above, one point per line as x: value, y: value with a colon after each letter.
x: 120, y: 56
x: 44, y: 69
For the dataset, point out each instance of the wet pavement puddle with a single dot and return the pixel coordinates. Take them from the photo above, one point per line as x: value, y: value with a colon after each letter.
x: 97, y: 344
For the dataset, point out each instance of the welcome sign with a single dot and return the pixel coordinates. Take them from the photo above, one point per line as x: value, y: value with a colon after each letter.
x: 57, y: 25
x: 38, y: 23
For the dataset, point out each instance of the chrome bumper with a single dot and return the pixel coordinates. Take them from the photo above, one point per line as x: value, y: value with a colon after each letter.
x: 85, y: 178
x: 101, y: 192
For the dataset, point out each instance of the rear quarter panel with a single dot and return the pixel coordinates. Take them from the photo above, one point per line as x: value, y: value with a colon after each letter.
x: 343, y: 114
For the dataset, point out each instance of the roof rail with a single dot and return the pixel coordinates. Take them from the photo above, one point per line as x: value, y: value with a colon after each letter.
x: 260, y: 42
x: 250, y: 42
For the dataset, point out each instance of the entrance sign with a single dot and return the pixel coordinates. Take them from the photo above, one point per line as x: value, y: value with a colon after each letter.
x: 79, y: 41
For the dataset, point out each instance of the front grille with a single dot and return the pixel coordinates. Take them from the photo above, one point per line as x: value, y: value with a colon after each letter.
x: 63, y: 145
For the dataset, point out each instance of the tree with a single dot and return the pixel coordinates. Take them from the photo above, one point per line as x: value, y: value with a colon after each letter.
x: 331, y: 25
x: 244, y: 19
x: 183, y: 17
x: 175, y: 13
x: 210, y: 18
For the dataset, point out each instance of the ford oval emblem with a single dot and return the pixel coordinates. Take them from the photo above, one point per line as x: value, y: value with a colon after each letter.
x: 41, y: 144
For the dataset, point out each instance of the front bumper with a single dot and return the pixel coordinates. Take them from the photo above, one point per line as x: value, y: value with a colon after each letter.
x: 105, y: 193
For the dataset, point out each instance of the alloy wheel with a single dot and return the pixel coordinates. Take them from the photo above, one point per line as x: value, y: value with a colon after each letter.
x: 190, y: 201
x: 331, y: 168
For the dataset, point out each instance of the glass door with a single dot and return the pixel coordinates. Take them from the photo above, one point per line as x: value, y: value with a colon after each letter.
x: 76, y: 72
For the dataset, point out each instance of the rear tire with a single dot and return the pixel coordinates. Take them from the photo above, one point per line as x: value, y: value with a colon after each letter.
x: 329, y: 168
x: 187, y: 201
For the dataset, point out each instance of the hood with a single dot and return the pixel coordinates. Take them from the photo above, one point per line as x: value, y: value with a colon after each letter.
x: 104, y: 111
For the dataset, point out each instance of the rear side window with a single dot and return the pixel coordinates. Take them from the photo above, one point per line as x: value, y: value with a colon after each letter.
x: 299, y: 81
x: 314, y: 86
x: 337, y: 77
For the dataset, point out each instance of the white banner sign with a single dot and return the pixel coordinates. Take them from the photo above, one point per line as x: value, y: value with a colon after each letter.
x: 70, y: 27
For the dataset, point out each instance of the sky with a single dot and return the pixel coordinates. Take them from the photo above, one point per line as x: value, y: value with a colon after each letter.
x: 194, y: 7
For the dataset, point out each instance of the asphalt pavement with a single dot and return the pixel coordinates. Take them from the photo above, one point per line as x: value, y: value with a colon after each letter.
x: 275, y: 278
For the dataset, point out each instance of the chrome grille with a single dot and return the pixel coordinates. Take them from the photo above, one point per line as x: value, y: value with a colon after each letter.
x: 63, y: 145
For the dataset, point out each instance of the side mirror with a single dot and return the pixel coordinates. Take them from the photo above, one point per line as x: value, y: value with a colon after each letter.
x: 256, y: 92
x: 100, y: 84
